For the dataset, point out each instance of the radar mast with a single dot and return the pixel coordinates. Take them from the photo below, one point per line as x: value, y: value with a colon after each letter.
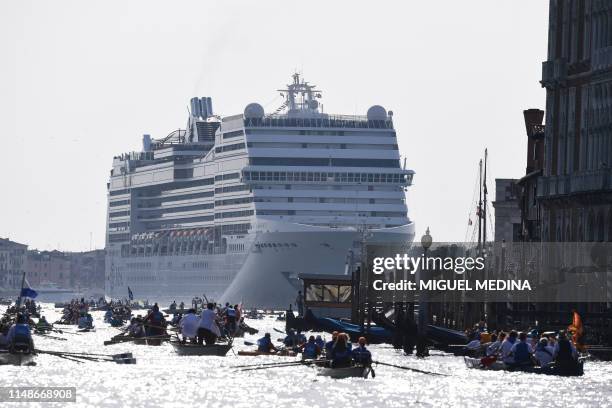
x: 301, y: 97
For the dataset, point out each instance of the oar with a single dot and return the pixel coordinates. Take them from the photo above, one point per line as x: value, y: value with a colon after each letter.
x: 50, y: 337
x: 279, y: 330
x: 305, y: 362
x: 274, y: 366
x: 416, y: 370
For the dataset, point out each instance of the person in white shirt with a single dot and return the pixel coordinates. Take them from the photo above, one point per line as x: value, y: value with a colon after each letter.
x: 207, y: 329
x: 506, y: 348
x: 189, y: 326
x: 495, y: 347
x: 543, y: 352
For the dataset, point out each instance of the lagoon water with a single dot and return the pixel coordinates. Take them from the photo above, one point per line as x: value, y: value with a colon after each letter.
x: 161, y: 378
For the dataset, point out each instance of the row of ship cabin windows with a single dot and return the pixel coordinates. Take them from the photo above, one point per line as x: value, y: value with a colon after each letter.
x: 328, y: 177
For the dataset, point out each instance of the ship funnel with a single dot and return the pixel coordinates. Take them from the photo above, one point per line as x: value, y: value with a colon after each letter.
x: 146, y: 143
x: 201, y: 107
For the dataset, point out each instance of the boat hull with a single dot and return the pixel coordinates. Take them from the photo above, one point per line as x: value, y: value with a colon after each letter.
x: 219, y: 350
x: 16, y: 358
x: 573, y: 371
x: 345, y: 372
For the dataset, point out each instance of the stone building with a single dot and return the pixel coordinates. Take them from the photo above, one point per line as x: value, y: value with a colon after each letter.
x: 575, y: 190
x: 48, y: 268
x: 12, y: 262
x: 507, y: 210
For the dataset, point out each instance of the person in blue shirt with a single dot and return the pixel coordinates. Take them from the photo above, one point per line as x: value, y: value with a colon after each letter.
x: 265, y: 344
x: 341, y: 353
x: 521, y: 351
x: 310, y: 349
x: 330, y: 345
x: 361, y: 355
x: 19, y: 336
x: 320, y: 342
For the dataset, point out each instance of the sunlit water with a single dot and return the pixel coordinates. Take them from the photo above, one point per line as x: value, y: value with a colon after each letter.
x: 161, y: 378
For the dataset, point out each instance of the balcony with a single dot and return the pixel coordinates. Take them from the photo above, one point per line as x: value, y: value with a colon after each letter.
x: 602, y: 59
x: 554, y: 72
x: 597, y: 181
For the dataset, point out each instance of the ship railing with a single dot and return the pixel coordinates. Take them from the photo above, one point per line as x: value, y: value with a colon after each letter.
x: 322, y: 121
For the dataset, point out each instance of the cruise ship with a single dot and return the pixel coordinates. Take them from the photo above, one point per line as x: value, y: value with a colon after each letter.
x: 236, y: 207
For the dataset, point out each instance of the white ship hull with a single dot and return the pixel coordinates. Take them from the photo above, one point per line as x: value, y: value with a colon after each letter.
x: 265, y: 275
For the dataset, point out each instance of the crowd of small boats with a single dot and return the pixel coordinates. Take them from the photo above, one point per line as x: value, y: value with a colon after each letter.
x: 209, y: 329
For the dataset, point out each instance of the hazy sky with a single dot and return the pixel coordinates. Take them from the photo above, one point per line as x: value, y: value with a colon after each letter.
x: 82, y: 81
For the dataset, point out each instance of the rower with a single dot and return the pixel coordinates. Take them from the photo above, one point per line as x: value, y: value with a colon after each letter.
x: 506, y: 348
x: 173, y: 306
x: 108, y: 315
x: 182, y: 305
x: 208, y: 331
x: 189, y: 326
x: 521, y: 351
x: 495, y: 347
x: 230, y: 318
x: 43, y: 324
x: 19, y: 336
x: 310, y: 349
x: 135, y: 328
x: 330, y: 345
x: 265, y: 344
x: 290, y: 340
x: 543, y: 352
x: 83, y: 322
x: 156, y: 323
x: 320, y: 342
x: 341, y: 353
x: 564, y: 352
x: 361, y: 355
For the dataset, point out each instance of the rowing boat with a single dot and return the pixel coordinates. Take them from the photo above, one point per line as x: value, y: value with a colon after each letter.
x: 16, y: 358
x: 356, y: 371
x: 281, y: 353
x: 551, y: 369
x: 200, y: 350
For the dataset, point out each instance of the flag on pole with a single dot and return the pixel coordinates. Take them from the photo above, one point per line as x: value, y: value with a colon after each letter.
x: 130, y: 294
x: 27, y: 291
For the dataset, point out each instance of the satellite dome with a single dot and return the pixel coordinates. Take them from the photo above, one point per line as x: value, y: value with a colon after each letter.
x: 377, y: 112
x: 254, y: 110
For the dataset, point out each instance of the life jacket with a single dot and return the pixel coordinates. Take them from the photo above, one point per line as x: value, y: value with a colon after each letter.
x: 565, y: 351
x: 231, y: 312
x: 310, y: 350
x: 521, y: 353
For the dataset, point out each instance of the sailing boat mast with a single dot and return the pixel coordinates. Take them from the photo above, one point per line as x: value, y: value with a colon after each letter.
x: 484, y: 209
x: 479, y: 206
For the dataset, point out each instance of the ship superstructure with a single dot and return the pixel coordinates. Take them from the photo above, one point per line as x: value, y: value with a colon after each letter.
x: 236, y: 207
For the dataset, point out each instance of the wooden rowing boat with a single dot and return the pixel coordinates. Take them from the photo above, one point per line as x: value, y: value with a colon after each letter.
x: 200, y: 350
x: 16, y: 358
x: 281, y: 353
x: 572, y: 371
x: 356, y: 371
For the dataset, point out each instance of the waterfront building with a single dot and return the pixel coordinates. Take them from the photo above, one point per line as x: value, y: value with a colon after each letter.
x: 575, y: 189
x: 12, y: 262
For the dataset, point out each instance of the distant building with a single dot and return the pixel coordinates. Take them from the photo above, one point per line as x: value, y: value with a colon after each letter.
x: 12, y: 262
x: 87, y: 269
x: 48, y: 268
x: 575, y: 191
